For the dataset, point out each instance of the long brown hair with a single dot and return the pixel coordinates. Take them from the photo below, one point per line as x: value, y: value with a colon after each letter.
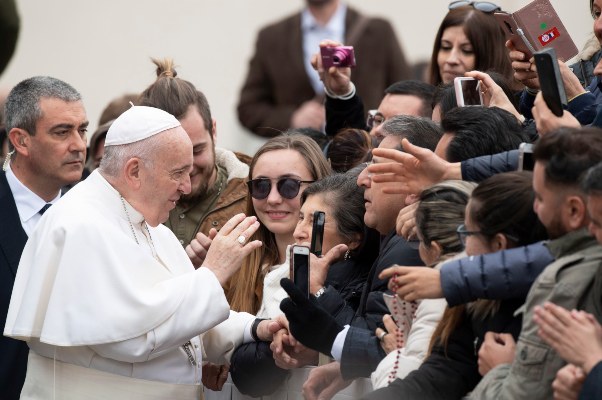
x: 245, y: 291
x: 485, y: 36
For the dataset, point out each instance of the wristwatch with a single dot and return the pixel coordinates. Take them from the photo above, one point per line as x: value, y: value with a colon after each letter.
x: 320, y: 292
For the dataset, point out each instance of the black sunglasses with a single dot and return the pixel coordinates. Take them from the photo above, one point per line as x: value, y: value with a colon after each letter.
x: 287, y: 187
x: 484, y: 6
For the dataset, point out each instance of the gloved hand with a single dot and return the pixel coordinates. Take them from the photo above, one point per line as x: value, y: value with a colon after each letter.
x: 308, y: 322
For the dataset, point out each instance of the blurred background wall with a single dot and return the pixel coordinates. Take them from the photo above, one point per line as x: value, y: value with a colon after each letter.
x: 103, y: 48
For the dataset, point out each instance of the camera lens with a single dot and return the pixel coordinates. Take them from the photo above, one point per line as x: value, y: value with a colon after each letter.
x: 339, y: 56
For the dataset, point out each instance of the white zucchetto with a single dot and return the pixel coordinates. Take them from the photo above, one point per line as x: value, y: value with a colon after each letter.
x: 138, y: 123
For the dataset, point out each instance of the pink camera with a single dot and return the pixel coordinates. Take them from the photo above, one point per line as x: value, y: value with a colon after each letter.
x: 341, y: 56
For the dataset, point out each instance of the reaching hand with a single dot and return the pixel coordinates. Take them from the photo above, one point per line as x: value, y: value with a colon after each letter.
x: 497, y: 349
x: 324, y: 382
x: 524, y: 69
x: 575, y: 335
x: 493, y: 95
x: 336, y: 80
x: 214, y: 376
x: 415, y: 169
x: 321, y: 265
x: 198, y: 247
x: 414, y: 283
x: 546, y: 121
x: 308, y: 322
x: 568, y: 382
x: 226, y: 253
x: 406, y: 222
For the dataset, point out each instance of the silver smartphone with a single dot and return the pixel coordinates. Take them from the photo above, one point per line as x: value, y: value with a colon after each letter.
x: 468, y: 92
x: 525, y: 157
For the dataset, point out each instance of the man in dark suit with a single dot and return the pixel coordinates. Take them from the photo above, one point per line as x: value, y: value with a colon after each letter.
x: 46, y: 125
x: 282, y: 90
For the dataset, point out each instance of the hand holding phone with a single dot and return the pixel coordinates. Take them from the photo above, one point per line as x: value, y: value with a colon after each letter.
x: 299, y: 267
x: 468, y: 92
x: 317, y: 233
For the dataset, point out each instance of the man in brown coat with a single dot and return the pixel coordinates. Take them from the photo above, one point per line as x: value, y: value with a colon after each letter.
x: 283, y: 91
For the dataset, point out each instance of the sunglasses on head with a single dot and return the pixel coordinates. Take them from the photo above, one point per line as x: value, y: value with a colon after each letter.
x: 484, y: 6
x: 287, y: 187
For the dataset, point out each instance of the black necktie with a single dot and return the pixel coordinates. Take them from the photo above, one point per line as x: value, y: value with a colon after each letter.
x: 43, y: 209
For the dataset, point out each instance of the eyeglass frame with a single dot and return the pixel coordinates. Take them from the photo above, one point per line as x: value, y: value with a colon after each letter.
x: 279, y: 185
x: 474, y: 4
x: 463, y: 234
x: 371, y: 121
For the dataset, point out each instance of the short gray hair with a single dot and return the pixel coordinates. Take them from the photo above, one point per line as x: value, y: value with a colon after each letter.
x: 420, y: 131
x: 22, y: 109
x: 115, y: 157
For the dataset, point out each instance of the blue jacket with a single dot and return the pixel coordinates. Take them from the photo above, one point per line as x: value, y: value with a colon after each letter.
x: 506, y: 274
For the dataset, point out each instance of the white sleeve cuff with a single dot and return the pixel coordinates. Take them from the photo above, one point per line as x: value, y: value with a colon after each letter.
x: 346, y: 96
x: 247, y: 337
x: 339, y: 342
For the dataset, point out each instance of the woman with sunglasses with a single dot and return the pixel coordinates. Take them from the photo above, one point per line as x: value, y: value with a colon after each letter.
x: 498, y: 216
x: 469, y: 38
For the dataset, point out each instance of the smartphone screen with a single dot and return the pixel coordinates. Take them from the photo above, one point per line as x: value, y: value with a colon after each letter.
x: 317, y: 233
x: 300, y: 268
x: 525, y: 157
x: 468, y: 92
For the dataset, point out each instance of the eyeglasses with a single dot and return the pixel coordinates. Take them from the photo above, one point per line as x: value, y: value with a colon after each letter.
x: 374, y: 119
x: 463, y: 233
x: 287, y: 187
x: 484, y: 6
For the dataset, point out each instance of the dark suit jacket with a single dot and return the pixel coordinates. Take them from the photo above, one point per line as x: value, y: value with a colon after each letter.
x: 277, y: 83
x: 13, y: 353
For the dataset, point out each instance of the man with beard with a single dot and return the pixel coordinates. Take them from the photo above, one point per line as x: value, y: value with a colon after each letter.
x: 218, y: 175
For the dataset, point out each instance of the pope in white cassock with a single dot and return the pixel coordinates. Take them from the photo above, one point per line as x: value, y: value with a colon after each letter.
x: 105, y: 295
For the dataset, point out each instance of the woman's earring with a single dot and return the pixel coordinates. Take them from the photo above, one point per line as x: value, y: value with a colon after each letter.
x: 347, y: 254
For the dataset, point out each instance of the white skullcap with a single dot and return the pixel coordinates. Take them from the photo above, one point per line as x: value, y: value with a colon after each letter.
x: 138, y: 123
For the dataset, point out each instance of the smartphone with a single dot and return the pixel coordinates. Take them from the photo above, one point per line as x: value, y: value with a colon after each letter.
x: 339, y: 56
x: 550, y: 80
x: 525, y: 157
x: 468, y: 92
x: 299, y: 269
x: 515, y: 34
x: 317, y: 233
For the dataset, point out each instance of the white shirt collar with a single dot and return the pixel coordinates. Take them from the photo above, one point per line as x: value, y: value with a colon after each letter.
x: 336, y: 24
x: 28, y: 203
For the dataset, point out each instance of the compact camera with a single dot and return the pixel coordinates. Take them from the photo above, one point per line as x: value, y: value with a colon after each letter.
x: 340, y: 56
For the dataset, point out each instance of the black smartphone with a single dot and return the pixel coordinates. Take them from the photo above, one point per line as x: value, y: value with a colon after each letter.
x: 299, y: 270
x: 317, y: 233
x: 525, y: 157
x: 550, y: 80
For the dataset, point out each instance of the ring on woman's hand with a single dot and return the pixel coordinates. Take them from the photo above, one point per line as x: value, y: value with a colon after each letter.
x: 242, y: 240
x: 382, y: 335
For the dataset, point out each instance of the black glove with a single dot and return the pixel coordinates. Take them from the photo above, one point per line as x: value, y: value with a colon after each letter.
x: 308, y: 322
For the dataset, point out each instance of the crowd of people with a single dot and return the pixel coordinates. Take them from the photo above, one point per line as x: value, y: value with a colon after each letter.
x: 146, y: 262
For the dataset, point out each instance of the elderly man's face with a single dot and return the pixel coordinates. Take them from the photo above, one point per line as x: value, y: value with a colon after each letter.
x: 166, y: 177
x: 594, y: 209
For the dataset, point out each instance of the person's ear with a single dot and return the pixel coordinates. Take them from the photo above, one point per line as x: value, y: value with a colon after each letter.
x: 435, y: 250
x: 499, y: 242
x: 132, y: 171
x: 576, y: 212
x: 20, y: 139
x: 214, y: 129
x: 355, y: 241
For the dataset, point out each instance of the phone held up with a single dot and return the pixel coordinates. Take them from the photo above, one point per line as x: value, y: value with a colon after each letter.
x: 525, y: 157
x: 339, y: 56
x: 299, y: 269
x: 468, y: 91
x: 550, y: 80
x: 317, y: 233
